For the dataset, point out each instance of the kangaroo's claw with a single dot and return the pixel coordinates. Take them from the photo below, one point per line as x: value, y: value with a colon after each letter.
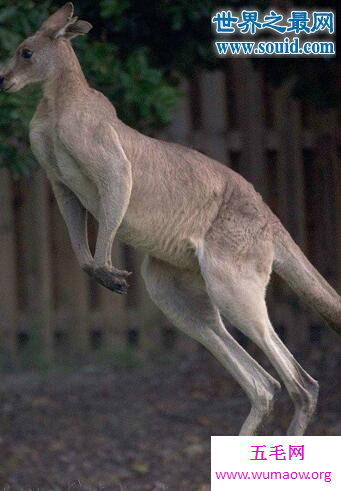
x: 112, y: 279
x: 121, y: 273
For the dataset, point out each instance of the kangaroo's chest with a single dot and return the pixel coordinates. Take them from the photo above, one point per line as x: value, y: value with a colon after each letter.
x: 59, y: 164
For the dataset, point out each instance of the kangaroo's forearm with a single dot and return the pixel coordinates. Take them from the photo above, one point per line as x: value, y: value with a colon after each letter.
x: 114, y: 202
x: 75, y: 216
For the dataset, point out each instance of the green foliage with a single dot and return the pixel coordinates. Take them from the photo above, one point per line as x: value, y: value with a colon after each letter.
x: 140, y: 92
x: 16, y: 23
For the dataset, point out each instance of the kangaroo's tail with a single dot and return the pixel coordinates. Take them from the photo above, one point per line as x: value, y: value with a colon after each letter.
x: 293, y: 266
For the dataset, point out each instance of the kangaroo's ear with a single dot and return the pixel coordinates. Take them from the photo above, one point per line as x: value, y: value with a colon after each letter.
x: 63, y: 24
x: 59, y: 19
x: 74, y: 28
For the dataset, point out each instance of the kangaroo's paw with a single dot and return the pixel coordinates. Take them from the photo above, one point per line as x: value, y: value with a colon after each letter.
x: 112, y: 278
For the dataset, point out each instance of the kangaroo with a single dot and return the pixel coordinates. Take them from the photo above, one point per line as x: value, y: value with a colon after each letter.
x: 210, y: 240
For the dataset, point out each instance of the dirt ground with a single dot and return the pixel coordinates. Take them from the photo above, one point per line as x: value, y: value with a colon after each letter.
x: 147, y: 428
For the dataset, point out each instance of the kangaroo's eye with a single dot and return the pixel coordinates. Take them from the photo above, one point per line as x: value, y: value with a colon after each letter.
x: 26, y: 53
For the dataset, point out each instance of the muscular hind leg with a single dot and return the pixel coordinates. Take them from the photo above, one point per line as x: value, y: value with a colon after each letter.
x: 238, y: 290
x: 183, y: 299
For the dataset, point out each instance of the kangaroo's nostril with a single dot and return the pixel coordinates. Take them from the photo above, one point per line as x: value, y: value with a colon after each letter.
x: 2, y: 79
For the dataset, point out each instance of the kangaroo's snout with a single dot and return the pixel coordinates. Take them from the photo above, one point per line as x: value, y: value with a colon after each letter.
x: 7, y: 83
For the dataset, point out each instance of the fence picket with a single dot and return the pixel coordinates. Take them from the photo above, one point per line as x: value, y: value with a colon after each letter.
x: 72, y: 288
x: 290, y: 164
x: 8, y: 277
x: 247, y: 85
x: 211, y: 139
x: 36, y: 244
x: 113, y: 310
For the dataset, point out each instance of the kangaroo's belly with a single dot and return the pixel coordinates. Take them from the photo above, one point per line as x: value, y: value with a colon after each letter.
x: 167, y: 229
x: 168, y: 246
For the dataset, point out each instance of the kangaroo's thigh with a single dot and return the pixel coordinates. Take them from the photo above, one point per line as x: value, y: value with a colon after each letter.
x: 238, y: 290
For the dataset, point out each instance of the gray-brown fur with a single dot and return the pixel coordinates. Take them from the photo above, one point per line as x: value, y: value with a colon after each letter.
x: 211, y: 242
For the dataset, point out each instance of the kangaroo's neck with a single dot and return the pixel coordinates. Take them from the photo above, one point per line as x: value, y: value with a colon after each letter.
x: 67, y: 79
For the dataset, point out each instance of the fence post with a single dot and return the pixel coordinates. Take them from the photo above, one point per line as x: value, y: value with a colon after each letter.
x: 327, y: 224
x: 36, y: 244
x: 327, y: 247
x: 113, y: 310
x: 290, y: 164
x: 179, y: 129
x: 8, y: 276
x: 247, y: 83
x: 212, y: 137
x: 71, y: 286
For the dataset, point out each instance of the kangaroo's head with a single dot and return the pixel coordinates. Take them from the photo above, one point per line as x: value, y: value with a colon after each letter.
x: 37, y: 58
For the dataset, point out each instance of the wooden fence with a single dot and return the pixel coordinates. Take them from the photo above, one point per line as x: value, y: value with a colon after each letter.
x: 288, y: 150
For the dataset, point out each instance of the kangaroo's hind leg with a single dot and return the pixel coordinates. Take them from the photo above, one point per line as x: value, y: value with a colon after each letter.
x: 237, y: 287
x: 183, y: 299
